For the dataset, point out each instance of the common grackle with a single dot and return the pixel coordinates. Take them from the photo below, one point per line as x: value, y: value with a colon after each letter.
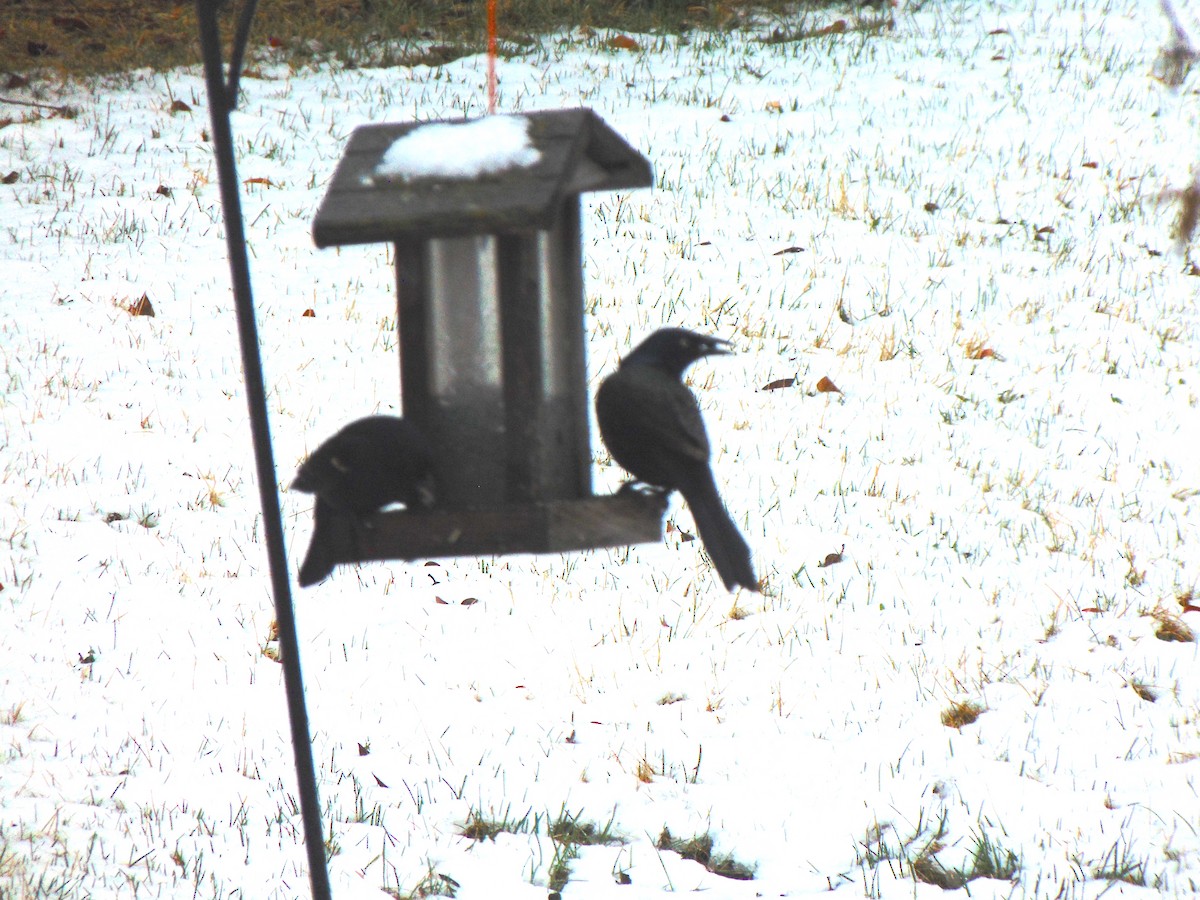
x: 369, y: 464
x: 652, y: 426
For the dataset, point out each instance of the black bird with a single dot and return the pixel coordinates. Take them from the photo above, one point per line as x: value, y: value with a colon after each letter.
x: 652, y: 426
x: 369, y: 464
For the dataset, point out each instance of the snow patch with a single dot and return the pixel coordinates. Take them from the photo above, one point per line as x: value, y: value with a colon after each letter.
x: 460, y: 150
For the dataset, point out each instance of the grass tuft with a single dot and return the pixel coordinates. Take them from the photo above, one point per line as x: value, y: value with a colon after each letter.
x: 961, y: 713
x: 1170, y: 627
x: 699, y: 849
x: 479, y: 827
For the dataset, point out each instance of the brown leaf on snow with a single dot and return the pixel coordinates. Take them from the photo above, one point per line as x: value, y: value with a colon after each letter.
x: 825, y: 386
x: 832, y: 559
x: 141, y: 307
x: 779, y: 383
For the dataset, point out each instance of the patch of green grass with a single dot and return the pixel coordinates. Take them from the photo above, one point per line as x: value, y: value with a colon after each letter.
x: 479, y: 827
x: 567, y: 832
x: 1119, y: 864
x: 432, y: 884
x: 569, y: 829
x: 989, y: 859
x: 699, y: 849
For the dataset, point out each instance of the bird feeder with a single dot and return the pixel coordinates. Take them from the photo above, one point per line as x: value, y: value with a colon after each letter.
x: 490, y: 316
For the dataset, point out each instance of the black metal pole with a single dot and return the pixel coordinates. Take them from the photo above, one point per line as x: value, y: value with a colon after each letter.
x: 220, y: 104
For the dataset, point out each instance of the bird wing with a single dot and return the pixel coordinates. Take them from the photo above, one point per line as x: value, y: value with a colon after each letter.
x: 646, y: 408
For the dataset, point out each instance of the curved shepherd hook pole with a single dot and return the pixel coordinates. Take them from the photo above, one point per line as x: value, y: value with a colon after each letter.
x: 222, y: 97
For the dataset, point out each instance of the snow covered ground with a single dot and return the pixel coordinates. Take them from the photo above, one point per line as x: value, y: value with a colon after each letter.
x: 980, y: 199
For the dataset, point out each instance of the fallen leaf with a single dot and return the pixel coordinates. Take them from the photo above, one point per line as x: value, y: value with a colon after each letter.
x: 163, y: 191
x: 377, y: 780
x: 785, y: 250
x: 311, y: 314
x: 364, y: 749
x: 832, y: 559
x: 774, y: 106
x: 779, y: 383
x: 1090, y: 609
x: 622, y: 42
x: 1091, y: 165
x: 1144, y: 691
x: 266, y: 182
x: 825, y: 386
x: 440, y: 601
x: 470, y: 601
x: 11, y: 178
x: 725, y: 118
x: 999, y: 31
x: 142, y: 307
x: 274, y: 43
x: 15, y: 82
x: 931, y: 207
x: 179, y: 106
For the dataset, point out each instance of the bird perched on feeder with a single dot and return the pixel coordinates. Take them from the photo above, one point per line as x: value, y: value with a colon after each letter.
x: 651, y: 424
x: 369, y: 464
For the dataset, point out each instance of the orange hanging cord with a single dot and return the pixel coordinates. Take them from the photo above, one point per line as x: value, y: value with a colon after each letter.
x: 491, y: 55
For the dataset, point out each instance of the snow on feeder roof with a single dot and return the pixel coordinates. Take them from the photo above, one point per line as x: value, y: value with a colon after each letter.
x: 458, y: 150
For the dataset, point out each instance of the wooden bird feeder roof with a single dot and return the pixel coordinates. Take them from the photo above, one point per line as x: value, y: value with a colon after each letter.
x: 579, y: 152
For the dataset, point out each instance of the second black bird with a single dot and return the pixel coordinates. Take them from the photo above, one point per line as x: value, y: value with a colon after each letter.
x: 369, y: 464
x: 651, y: 424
